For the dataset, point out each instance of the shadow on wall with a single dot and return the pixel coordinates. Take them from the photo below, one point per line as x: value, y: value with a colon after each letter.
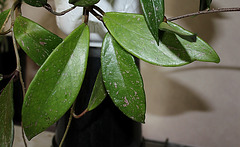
x: 169, y: 98
x: 203, y: 25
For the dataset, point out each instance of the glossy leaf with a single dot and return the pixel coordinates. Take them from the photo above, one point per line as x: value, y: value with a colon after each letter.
x: 164, y: 26
x: 3, y: 17
x: 37, y: 42
x: 197, y: 50
x: 83, y: 3
x: 205, y: 4
x: 133, y: 35
x: 122, y: 79
x: 153, y: 11
x: 6, y: 116
x: 57, y: 83
x: 36, y: 3
x: 98, y: 94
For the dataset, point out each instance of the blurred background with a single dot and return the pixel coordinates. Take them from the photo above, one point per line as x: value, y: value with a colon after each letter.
x: 195, y: 105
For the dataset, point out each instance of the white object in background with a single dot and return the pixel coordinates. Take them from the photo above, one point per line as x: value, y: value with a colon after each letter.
x: 68, y: 22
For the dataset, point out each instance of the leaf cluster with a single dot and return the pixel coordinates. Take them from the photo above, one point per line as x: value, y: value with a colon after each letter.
x: 63, y: 62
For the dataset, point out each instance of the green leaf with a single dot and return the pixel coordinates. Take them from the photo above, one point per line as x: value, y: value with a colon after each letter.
x: 37, y: 42
x: 133, y: 35
x: 153, y: 11
x: 36, y: 3
x: 98, y: 94
x: 122, y: 79
x: 6, y: 116
x: 205, y: 4
x: 57, y: 83
x: 185, y: 49
x: 83, y: 3
x: 3, y: 17
x: 177, y: 30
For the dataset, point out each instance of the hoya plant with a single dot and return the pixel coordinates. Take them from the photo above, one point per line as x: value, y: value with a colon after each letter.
x: 151, y: 37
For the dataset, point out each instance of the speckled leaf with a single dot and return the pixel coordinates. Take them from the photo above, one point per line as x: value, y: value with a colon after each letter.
x: 36, y: 41
x: 6, y: 116
x: 133, y: 35
x: 153, y: 11
x: 189, y: 50
x: 57, y: 83
x: 83, y: 3
x: 205, y: 4
x: 122, y: 79
x: 36, y: 3
x: 98, y: 94
x: 164, y: 26
x: 3, y: 17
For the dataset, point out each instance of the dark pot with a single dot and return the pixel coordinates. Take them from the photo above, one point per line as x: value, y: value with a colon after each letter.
x: 106, y: 126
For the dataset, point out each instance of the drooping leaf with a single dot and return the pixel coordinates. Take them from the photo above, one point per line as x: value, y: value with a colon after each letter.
x: 164, y: 26
x: 37, y: 42
x: 98, y: 94
x: 122, y: 79
x: 3, y: 17
x: 83, y: 3
x: 6, y: 116
x: 133, y: 35
x: 57, y: 83
x: 153, y: 11
x: 205, y: 4
x: 198, y: 50
x: 36, y: 3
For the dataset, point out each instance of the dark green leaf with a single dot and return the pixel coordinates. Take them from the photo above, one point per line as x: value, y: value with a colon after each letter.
x: 122, y: 79
x: 153, y: 11
x: 3, y: 17
x: 57, y: 83
x: 83, y: 3
x: 188, y: 50
x: 205, y: 4
x: 133, y: 35
x: 36, y: 41
x: 36, y: 3
x: 6, y: 116
x: 98, y: 94
x: 177, y: 30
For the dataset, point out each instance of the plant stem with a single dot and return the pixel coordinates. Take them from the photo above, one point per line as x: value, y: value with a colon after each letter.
x: 18, y: 63
x: 68, y: 125
x: 80, y: 115
x: 49, y: 8
x: 205, y: 12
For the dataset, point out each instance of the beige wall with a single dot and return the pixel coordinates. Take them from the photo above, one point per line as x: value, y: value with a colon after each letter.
x: 197, y: 104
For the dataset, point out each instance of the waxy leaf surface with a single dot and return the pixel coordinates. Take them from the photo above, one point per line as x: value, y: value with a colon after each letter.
x: 122, y: 79
x: 205, y: 4
x: 57, y: 83
x: 83, y: 3
x: 153, y: 11
x: 133, y: 35
x: 164, y: 26
x: 191, y: 50
x: 3, y: 17
x: 98, y: 94
x: 36, y: 3
x: 37, y: 42
x: 6, y: 116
